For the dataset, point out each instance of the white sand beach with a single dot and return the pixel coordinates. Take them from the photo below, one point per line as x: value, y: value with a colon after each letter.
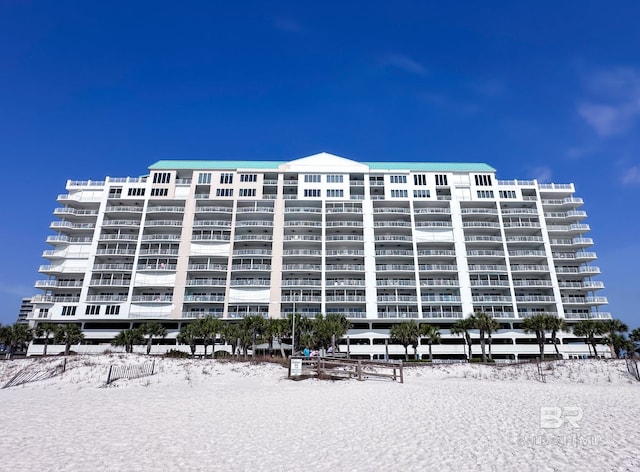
x: 210, y: 415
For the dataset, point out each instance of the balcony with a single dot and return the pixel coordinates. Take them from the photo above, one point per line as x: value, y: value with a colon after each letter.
x: 395, y: 267
x: 305, y: 267
x: 411, y: 299
x: 206, y: 282
x: 344, y: 267
x: 251, y: 282
x: 152, y: 298
x: 491, y: 299
x: 440, y: 298
x: 207, y: 267
x: 438, y: 267
x: 106, y: 298
x: 439, y: 283
x: 535, y: 299
x: 204, y: 298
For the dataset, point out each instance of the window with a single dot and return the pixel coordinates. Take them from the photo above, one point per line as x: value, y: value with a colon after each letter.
x: 399, y: 193
x: 248, y: 177
x: 507, y: 194
x: 204, y: 178
x: 483, y: 180
x: 224, y: 192
x: 421, y: 194
x: 441, y: 179
x: 115, y: 192
x: 312, y: 192
x: 43, y: 312
x: 333, y: 179
x: 485, y: 193
x: 161, y: 178
x: 247, y: 192
x: 335, y: 193
x: 398, y: 179
x: 313, y: 178
x: 112, y: 310
x: 159, y: 192
x: 68, y: 311
x: 226, y: 178
x: 136, y: 192
x: 92, y: 310
x: 420, y: 179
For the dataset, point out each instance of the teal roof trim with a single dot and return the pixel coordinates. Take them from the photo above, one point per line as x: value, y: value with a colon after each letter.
x: 413, y: 166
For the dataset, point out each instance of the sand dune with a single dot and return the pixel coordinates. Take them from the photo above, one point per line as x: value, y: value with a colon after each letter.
x: 216, y: 415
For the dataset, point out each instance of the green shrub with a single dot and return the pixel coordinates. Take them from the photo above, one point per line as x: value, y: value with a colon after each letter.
x: 176, y: 354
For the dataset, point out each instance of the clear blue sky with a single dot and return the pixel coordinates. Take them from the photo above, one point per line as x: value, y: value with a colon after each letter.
x: 545, y: 89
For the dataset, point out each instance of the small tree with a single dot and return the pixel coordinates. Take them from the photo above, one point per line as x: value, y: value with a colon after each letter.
x: 485, y: 324
x: 254, y: 326
x: 208, y: 329
x: 128, y: 338
x: 555, y: 324
x: 405, y: 333
x: 589, y: 330
x: 150, y: 330
x: 463, y: 327
x: 15, y: 336
x: 432, y: 335
x: 614, y: 330
x: 537, y: 324
x: 68, y: 334
x: 189, y: 335
x: 46, y: 331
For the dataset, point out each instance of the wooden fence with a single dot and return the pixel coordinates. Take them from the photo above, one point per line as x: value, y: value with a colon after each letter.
x: 632, y: 368
x: 340, y: 368
x: 130, y: 371
x: 33, y: 375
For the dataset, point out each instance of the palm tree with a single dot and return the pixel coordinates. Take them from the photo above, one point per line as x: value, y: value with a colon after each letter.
x: 589, y: 329
x: 614, y: 330
x: 555, y: 324
x: 432, y: 334
x: 486, y: 324
x: 68, y: 334
x: 15, y: 336
x: 150, y: 330
x: 537, y: 324
x: 46, y: 331
x: 279, y: 328
x: 254, y: 325
x: 232, y: 334
x: 127, y: 338
x: 405, y: 333
x: 208, y: 328
x: 463, y: 327
x: 189, y: 335
x: 328, y: 329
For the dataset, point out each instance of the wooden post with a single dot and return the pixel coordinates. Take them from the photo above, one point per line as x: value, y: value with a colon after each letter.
x: 109, y: 374
x: 401, y: 373
x: 386, y: 350
x: 348, y: 347
x: 289, y: 373
x: 359, y: 370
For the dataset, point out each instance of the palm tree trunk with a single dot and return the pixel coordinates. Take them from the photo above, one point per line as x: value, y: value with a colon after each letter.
x: 45, y: 346
x: 595, y: 352
x: 430, y: 353
x: 406, y: 352
x: 482, y: 347
x: 555, y: 344
x: 149, y: 341
x: 490, y: 342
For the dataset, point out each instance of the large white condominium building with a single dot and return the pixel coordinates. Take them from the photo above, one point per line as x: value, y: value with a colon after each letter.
x: 379, y: 242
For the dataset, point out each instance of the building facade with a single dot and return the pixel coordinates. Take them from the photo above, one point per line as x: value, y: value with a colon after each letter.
x: 379, y: 242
